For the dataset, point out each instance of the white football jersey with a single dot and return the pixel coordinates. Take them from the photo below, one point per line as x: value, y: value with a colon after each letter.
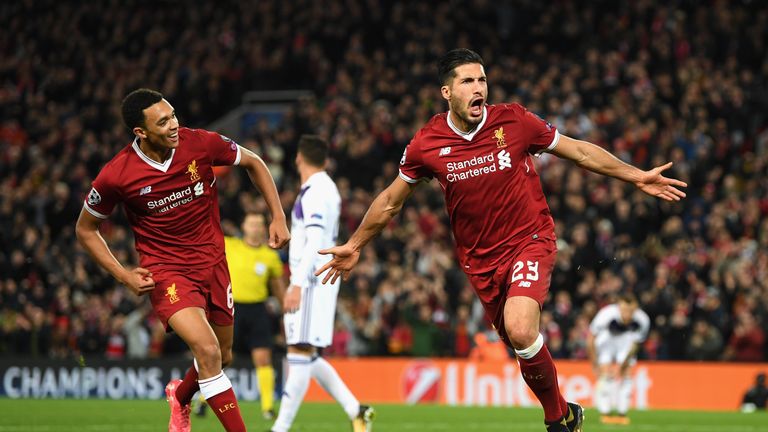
x: 318, y: 206
x: 607, y: 326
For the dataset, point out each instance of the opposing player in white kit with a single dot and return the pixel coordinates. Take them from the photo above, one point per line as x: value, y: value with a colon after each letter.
x: 310, y: 304
x: 615, y: 336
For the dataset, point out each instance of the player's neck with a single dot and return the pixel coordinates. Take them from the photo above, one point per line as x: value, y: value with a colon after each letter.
x: 157, y: 154
x: 460, y: 124
x: 253, y: 242
x: 308, y: 171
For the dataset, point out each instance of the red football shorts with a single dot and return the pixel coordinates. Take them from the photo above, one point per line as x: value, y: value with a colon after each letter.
x: 527, y: 273
x: 206, y: 288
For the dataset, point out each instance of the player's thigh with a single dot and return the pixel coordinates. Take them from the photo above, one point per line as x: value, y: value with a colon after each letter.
x: 193, y: 328
x: 607, y: 355
x: 312, y: 323
x: 174, y: 292
x: 626, y: 357
x: 490, y: 290
x: 323, y: 314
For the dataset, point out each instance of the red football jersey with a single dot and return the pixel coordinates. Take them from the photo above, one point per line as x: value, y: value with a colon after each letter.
x: 172, y: 207
x: 492, y: 190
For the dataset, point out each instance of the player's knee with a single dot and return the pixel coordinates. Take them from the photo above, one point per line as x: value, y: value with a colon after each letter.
x: 521, y: 337
x: 208, y: 355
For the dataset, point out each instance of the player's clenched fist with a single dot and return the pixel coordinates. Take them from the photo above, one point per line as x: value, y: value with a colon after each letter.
x: 278, y: 234
x: 139, y: 281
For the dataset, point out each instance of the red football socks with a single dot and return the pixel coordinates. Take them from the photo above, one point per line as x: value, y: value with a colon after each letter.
x: 188, y: 387
x: 227, y: 410
x: 541, y: 376
x: 217, y: 391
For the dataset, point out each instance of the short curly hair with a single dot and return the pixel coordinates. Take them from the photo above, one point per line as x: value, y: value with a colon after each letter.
x: 135, y: 103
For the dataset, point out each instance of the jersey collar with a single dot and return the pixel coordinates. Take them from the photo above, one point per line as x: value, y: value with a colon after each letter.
x: 471, y: 134
x: 312, y: 179
x: 154, y: 164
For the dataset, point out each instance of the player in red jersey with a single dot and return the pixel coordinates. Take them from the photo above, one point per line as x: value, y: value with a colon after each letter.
x: 482, y: 157
x: 165, y: 181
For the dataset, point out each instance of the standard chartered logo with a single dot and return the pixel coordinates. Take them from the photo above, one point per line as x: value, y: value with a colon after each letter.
x: 176, y: 198
x: 504, y: 160
x: 478, y: 166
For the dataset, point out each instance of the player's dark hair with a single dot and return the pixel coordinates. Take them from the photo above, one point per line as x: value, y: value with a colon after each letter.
x: 447, y: 64
x: 627, y: 297
x: 251, y: 212
x: 134, y: 105
x: 313, y: 149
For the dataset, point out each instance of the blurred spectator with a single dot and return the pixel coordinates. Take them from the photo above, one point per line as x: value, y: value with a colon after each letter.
x: 705, y: 342
x: 747, y: 340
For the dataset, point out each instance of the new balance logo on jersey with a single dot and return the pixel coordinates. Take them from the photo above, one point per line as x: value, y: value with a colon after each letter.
x: 444, y: 151
x: 145, y: 190
x: 505, y: 161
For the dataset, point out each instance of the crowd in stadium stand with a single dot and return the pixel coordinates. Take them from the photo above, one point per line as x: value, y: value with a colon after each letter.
x: 684, y: 81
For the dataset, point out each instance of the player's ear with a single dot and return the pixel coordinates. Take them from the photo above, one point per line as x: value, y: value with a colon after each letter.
x: 446, y: 92
x: 140, y: 132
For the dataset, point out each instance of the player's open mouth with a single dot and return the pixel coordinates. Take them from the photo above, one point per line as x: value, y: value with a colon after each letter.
x: 174, y: 137
x: 476, y: 107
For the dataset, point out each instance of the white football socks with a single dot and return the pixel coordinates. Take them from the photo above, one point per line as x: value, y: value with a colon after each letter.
x: 330, y: 380
x: 624, y: 396
x: 604, y: 393
x: 293, y: 393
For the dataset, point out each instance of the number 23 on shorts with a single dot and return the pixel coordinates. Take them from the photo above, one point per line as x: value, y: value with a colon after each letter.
x: 525, y: 276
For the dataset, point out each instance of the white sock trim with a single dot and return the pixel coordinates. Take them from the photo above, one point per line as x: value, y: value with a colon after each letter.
x: 298, y: 359
x: 218, y: 384
x: 532, y: 350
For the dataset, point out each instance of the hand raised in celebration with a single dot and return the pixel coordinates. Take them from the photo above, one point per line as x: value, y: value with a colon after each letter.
x: 344, y: 259
x: 655, y: 184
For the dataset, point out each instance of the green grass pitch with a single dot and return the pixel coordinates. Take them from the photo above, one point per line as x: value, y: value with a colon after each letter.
x: 141, y: 415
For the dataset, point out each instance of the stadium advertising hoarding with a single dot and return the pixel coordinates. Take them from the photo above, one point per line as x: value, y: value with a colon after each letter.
x: 662, y: 385
x: 659, y: 385
x: 105, y: 379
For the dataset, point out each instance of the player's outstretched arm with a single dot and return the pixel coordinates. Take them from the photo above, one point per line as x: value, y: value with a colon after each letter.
x: 138, y: 280
x: 260, y: 176
x: 388, y: 204
x: 596, y: 159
